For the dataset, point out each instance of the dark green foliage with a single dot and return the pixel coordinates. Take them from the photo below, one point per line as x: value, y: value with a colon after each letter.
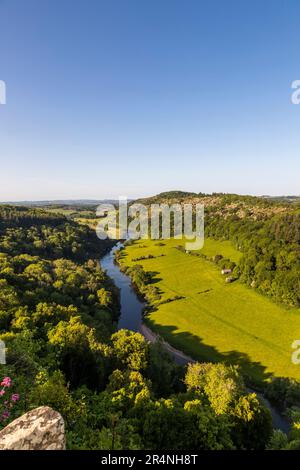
x: 271, y: 248
x: 291, y: 441
x: 40, y: 233
x: 284, y: 392
x: 165, y: 375
x: 58, y: 313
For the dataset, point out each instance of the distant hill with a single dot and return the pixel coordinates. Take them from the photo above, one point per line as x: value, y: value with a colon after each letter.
x: 289, y: 199
x: 173, y: 196
x: 239, y: 206
x: 62, y: 202
x: 183, y: 195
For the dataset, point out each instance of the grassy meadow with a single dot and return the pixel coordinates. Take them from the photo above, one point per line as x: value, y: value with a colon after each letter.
x: 214, y: 320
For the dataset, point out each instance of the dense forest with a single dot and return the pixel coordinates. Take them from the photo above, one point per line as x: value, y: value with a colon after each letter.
x: 46, y: 234
x: 271, y: 249
x: 58, y: 313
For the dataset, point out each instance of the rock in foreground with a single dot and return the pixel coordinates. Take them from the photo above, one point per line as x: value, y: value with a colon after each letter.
x: 39, y: 429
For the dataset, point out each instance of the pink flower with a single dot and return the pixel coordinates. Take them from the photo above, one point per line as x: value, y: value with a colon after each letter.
x: 6, y: 382
x: 5, y: 414
x: 2, y: 392
x: 15, y: 397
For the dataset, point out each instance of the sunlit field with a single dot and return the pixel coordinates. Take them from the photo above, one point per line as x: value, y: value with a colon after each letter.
x: 215, y: 320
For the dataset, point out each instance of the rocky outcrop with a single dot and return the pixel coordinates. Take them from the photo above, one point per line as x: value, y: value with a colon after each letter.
x: 39, y: 429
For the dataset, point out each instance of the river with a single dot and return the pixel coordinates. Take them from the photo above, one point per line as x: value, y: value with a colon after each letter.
x: 131, y: 318
x: 131, y: 305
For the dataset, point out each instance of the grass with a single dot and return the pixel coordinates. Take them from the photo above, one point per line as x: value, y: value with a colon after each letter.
x: 217, y: 321
x: 224, y: 248
x: 92, y: 223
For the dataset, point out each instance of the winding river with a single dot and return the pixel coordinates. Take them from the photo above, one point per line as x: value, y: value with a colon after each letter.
x: 131, y: 306
x: 131, y: 318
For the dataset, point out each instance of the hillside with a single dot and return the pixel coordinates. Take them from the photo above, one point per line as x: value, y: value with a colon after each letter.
x: 267, y: 232
x: 224, y: 204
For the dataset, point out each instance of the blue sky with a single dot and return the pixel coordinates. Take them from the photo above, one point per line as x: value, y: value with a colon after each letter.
x: 134, y: 97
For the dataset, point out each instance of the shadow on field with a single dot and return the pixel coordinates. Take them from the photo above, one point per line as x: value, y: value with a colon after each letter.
x: 154, y: 277
x: 193, y: 346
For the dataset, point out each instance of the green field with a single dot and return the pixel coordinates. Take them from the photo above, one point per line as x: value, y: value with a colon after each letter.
x: 212, y: 247
x: 217, y: 321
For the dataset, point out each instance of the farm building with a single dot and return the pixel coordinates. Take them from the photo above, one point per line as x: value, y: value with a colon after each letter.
x: 226, y: 271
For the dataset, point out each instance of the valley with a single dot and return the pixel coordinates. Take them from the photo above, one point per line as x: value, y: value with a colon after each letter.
x: 213, y: 320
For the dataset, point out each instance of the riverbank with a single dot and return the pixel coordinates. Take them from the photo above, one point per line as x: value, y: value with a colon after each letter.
x: 179, y: 357
x: 132, y: 308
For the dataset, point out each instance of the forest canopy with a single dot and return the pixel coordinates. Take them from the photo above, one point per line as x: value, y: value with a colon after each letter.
x: 58, y: 318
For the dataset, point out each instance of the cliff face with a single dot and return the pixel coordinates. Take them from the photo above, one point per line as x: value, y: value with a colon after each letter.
x: 39, y: 429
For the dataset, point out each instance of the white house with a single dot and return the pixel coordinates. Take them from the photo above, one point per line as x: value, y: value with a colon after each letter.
x: 226, y: 271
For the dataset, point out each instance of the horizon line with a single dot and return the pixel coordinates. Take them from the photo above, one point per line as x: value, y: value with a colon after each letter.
x: 92, y: 200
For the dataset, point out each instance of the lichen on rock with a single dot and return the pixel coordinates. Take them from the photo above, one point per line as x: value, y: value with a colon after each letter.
x: 39, y: 429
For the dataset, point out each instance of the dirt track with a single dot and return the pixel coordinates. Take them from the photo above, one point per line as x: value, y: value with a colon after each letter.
x: 178, y: 356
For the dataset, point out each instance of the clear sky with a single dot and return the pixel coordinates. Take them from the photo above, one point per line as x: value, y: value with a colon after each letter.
x: 134, y: 97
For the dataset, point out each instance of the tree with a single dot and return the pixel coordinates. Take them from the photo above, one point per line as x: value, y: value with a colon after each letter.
x: 252, y: 423
x: 173, y: 426
x: 128, y: 389
x: 104, y: 297
x: 52, y: 391
x: 79, y: 354
x: 168, y: 427
x: 166, y: 376
x: 221, y: 384
x: 130, y: 349
x: 213, y: 431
